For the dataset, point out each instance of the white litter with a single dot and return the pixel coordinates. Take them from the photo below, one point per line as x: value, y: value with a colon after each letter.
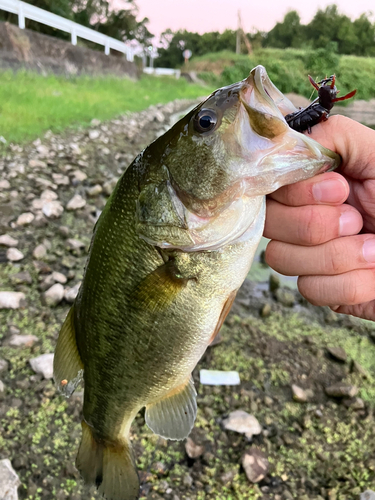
x: 217, y: 377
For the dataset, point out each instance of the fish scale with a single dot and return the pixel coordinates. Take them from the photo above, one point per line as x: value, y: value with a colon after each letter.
x: 169, y: 252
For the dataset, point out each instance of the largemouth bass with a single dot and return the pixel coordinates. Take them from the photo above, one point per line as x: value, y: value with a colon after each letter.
x: 169, y: 252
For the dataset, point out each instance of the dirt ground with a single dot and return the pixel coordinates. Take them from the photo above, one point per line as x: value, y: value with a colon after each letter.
x: 323, y: 448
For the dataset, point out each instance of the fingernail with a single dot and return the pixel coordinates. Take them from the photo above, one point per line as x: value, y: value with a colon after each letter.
x: 330, y: 191
x: 349, y: 223
x: 368, y: 250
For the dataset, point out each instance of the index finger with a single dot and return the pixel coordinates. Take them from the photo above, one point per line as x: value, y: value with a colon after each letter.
x: 330, y: 188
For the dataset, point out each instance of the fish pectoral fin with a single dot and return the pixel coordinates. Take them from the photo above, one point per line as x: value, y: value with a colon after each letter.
x: 224, y: 313
x: 173, y: 416
x: 67, y: 363
x: 159, y: 289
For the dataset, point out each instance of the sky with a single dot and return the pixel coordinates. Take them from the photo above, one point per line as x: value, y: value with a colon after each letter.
x: 217, y: 15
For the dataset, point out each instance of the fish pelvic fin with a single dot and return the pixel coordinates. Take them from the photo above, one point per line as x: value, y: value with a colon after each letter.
x: 67, y: 363
x: 108, y: 465
x: 173, y: 416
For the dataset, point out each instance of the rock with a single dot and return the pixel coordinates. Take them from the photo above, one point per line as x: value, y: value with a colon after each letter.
x: 61, y: 180
x: 22, y: 340
x: 78, y: 176
x: 341, y: 390
x: 76, y: 202
x: 285, y: 297
x: 21, y: 278
x: 59, y: 277
x: 73, y: 244
x: 40, y: 252
x: 94, y: 190
x: 193, y: 450
x: 42, y: 150
x: 266, y: 310
x: 187, y: 480
x: 43, y: 364
x: 227, y: 477
x: 242, y: 422
x: 64, y: 231
x: 94, y: 134
x: 354, y: 403
x: 37, y: 164
x: 274, y: 282
x: 3, y: 365
x: 2, y: 394
x: 8, y: 241
x: 95, y: 122
x: 25, y: 219
x: 301, y: 395
x: 367, y: 495
x: 357, y: 368
x: 48, y: 195
x: 54, y: 295
x: 255, y: 465
x: 70, y: 294
x: 4, y: 184
x: 9, y: 481
x: 109, y: 186
x: 12, y: 300
x: 14, y: 255
x: 338, y: 353
x: 53, y: 209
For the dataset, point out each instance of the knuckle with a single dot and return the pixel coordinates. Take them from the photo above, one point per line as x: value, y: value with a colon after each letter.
x: 334, y: 258
x: 311, y: 229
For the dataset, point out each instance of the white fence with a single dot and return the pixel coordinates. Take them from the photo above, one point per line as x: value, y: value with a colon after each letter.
x: 26, y: 11
x: 162, y: 71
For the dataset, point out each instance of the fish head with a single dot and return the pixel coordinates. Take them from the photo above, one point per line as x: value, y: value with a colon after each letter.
x: 234, y: 147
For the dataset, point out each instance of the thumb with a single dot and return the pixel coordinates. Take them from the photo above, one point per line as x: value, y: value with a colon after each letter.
x: 354, y: 142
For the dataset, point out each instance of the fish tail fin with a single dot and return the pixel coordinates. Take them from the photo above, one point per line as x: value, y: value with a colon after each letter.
x: 110, y: 466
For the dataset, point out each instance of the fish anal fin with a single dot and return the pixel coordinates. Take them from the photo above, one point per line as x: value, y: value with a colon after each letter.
x: 108, y: 465
x: 224, y: 313
x: 173, y: 416
x: 67, y: 364
x: 159, y: 289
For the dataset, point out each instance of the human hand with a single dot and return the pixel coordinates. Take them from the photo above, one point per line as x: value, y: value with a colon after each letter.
x: 314, y: 233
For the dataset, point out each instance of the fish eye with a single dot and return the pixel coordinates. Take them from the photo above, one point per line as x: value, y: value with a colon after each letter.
x: 205, y: 120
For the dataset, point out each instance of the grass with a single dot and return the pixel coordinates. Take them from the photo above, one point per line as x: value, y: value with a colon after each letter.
x: 31, y: 104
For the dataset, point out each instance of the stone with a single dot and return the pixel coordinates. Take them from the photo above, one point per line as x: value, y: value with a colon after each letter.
x: 274, y: 282
x: 79, y: 176
x: 94, y: 134
x: 242, y: 422
x: 266, y: 310
x: 48, y: 195
x: 37, y: 164
x: 22, y: 340
x: 338, y: 353
x: 64, y: 231
x: 367, y: 495
x: 341, y: 390
x: 53, y: 209
x: 14, y: 255
x: 73, y: 244
x: 70, y: 294
x: 2, y: 389
x: 43, y: 364
x: 54, y: 295
x: 39, y: 252
x: 354, y: 403
x: 193, y: 450
x: 94, y: 190
x: 61, y: 180
x: 76, y: 202
x: 25, y: 219
x: 255, y: 465
x: 59, y: 277
x: 301, y: 395
x: 42, y: 150
x: 3, y: 365
x: 22, y: 278
x: 4, y: 184
x: 8, y: 241
x: 9, y: 481
x: 95, y: 122
x: 109, y: 186
x: 357, y: 368
x: 12, y: 300
x: 285, y: 297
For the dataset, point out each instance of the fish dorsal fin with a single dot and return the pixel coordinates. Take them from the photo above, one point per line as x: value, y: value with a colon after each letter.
x: 67, y: 363
x: 173, y: 416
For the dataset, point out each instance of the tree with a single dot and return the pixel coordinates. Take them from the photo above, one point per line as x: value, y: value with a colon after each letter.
x: 365, y: 36
x: 289, y: 33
